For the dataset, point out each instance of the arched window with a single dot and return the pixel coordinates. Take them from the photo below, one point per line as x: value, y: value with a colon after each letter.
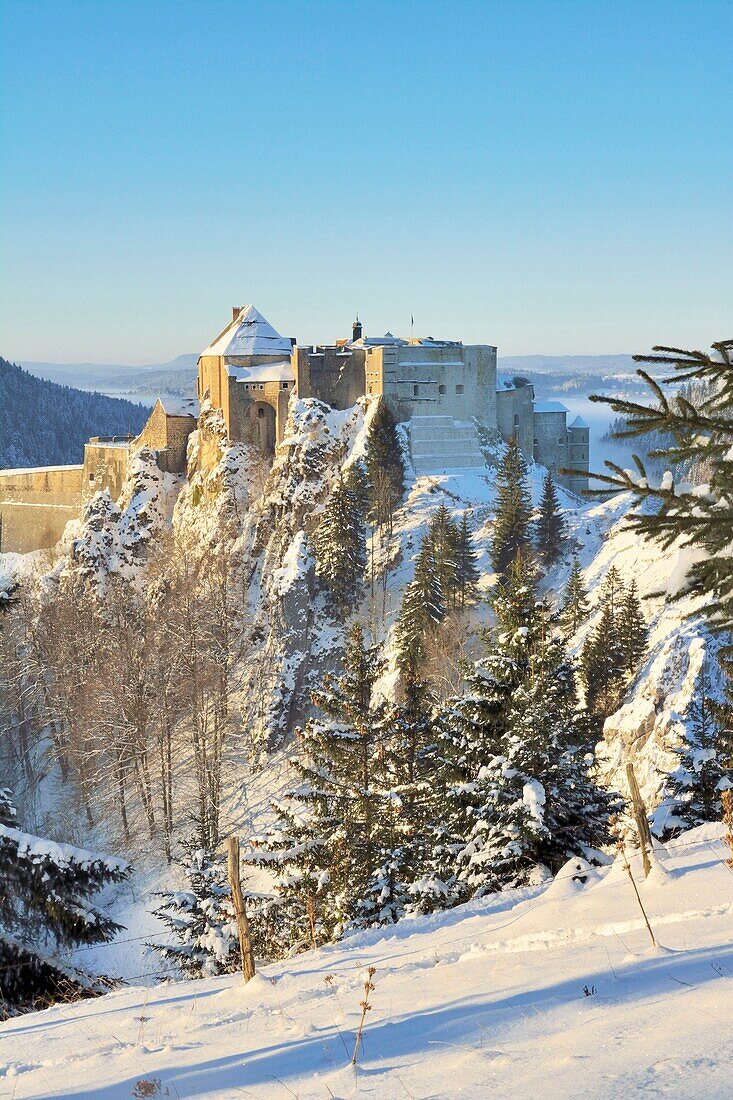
x: 261, y: 413
x: 516, y: 420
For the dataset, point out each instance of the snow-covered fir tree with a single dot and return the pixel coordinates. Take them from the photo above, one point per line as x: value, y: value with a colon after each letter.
x: 384, y: 467
x: 423, y: 606
x: 705, y: 767
x: 467, y: 572
x: 412, y: 772
x: 443, y: 537
x: 201, y: 917
x: 632, y: 629
x: 603, y: 666
x: 614, y: 647
x: 471, y: 730
x: 512, y: 525
x: 520, y: 794
x: 341, y: 545
x: 575, y: 607
x: 550, y: 526
x: 547, y: 806
x: 46, y: 911
x: 334, y: 833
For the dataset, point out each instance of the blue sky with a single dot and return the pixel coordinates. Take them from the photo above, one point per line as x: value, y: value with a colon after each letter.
x: 550, y: 177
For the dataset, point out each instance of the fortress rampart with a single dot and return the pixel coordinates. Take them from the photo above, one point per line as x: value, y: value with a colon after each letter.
x: 36, y: 505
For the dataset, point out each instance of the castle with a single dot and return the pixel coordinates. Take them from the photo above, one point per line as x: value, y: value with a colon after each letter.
x: 446, y: 392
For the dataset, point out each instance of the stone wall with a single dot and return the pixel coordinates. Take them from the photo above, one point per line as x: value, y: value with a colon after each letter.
x: 168, y: 435
x: 36, y: 505
x: 453, y: 380
x: 256, y: 412
x: 514, y: 416
x: 105, y: 467
x: 551, y: 439
x: 332, y: 374
x: 579, y: 455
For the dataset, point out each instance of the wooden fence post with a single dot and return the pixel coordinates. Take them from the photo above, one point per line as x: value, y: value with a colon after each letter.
x: 235, y: 883
x: 642, y: 821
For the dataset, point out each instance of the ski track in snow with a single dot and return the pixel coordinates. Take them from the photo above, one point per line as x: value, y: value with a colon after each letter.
x: 484, y: 1000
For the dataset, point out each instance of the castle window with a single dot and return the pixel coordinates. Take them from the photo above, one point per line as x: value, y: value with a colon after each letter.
x: 561, y: 441
x: 441, y: 389
x: 260, y: 413
x: 415, y: 391
x: 516, y: 420
x: 459, y: 389
x: 284, y: 385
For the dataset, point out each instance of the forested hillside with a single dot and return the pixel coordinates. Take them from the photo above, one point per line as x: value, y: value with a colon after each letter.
x: 44, y: 424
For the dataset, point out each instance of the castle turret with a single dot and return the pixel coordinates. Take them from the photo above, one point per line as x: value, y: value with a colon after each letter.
x: 579, y: 433
x: 356, y: 330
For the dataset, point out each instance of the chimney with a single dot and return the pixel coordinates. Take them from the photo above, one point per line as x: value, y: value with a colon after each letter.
x: 236, y: 310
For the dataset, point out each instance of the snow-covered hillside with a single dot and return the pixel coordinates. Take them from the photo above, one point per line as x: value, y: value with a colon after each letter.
x: 553, y: 991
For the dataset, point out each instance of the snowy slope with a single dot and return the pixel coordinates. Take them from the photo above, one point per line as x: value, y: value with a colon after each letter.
x: 485, y: 1000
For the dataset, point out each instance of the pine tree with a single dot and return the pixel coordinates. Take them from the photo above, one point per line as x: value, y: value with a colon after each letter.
x: 705, y: 766
x: 467, y: 573
x: 602, y: 665
x: 202, y: 917
x: 385, y: 467
x: 45, y: 911
x: 471, y: 731
x: 550, y: 527
x: 632, y: 630
x: 546, y: 805
x: 443, y: 537
x: 341, y: 546
x: 328, y: 844
x: 612, y: 591
x: 519, y: 614
x: 511, y: 533
x: 413, y: 770
x: 700, y: 435
x: 574, y: 610
x: 423, y: 606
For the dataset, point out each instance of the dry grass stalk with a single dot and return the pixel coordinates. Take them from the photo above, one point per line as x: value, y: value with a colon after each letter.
x: 365, y: 1007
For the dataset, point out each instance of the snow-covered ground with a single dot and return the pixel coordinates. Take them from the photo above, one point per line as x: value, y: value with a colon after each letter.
x: 552, y: 991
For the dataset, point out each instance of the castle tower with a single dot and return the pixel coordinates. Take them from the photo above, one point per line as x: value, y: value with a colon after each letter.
x: 356, y: 330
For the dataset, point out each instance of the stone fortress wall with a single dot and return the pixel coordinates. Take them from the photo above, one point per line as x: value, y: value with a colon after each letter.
x: 36, y: 505
x: 441, y: 388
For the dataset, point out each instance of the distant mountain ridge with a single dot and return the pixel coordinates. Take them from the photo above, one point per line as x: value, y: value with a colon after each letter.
x: 46, y: 424
x: 115, y: 376
x: 577, y: 364
x: 179, y: 375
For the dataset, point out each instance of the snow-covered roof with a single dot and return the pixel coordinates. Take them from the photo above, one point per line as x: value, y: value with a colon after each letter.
x: 549, y: 407
x: 263, y: 372
x: 249, y: 334
x: 579, y: 422
x: 179, y: 406
x: 377, y: 341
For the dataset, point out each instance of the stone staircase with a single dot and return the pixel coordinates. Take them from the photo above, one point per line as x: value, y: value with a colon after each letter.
x: 439, y: 443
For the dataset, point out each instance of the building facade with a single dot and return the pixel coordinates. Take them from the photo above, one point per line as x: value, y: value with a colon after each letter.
x: 441, y: 388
